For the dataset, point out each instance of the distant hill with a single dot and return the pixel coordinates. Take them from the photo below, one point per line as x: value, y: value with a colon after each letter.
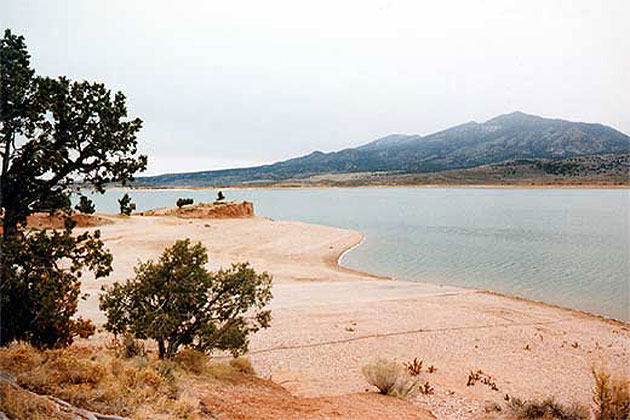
x: 508, y: 137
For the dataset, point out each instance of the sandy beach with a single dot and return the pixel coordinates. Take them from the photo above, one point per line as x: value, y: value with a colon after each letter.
x: 329, y: 321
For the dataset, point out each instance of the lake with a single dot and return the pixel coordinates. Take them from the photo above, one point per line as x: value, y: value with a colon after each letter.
x: 568, y: 247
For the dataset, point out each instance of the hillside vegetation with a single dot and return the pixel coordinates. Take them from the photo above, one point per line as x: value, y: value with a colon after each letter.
x: 514, y: 140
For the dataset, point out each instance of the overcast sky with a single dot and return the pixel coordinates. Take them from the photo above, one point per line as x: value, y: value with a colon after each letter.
x: 236, y: 83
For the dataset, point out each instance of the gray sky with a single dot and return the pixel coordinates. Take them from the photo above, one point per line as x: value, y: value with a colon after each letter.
x: 236, y: 83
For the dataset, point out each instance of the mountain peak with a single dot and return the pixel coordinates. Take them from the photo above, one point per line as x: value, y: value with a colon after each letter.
x: 516, y: 116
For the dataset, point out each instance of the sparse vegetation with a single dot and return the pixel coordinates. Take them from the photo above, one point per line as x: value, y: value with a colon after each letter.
x: 177, y: 302
x: 546, y: 409
x: 611, y: 396
x: 480, y: 376
x: 414, y: 367
x: 390, y: 378
x: 181, y: 202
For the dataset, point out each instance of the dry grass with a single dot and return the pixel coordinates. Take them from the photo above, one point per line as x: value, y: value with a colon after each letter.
x: 110, y: 380
x: 18, y: 404
x: 546, y: 409
x: 611, y: 396
x: 192, y: 360
x: 97, y: 381
x: 243, y: 365
x: 390, y: 378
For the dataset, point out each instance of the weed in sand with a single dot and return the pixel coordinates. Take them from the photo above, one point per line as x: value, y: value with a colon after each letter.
x: 390, y: 378
x: 611, y: 396
x: 414, y: 367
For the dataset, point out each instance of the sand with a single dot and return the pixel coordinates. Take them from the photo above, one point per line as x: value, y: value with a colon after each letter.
x: 329, y: 321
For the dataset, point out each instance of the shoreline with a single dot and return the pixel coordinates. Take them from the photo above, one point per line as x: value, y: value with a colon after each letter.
x: 524, y: 186
x: 337, y: 264
x: 329, y: 321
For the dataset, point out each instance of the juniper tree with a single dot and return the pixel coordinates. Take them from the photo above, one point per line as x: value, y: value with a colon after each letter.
x: 177, y: 302
x: 53, y: 132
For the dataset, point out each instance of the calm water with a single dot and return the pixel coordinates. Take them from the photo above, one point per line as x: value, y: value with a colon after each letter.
x: 568, y: 247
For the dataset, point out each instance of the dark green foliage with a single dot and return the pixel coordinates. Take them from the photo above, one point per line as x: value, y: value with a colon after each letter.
x: 85, y: 206
x: 125, y: 205
x: 58, y: 202
x: 177, y: 302
x: 53, y: 132
x: 181, y: 202
x: 39, y: 293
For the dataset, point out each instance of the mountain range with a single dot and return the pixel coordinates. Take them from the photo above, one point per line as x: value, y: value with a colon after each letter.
x: 510, y: 137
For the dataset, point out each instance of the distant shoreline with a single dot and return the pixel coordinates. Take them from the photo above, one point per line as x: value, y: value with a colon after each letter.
x: 524, y: 186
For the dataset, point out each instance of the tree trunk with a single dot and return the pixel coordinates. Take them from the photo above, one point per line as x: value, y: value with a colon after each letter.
x: 161, y: 349
x: 172, y: 349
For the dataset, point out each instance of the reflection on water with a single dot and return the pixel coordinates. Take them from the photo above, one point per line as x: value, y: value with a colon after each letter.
x: 568, y: 247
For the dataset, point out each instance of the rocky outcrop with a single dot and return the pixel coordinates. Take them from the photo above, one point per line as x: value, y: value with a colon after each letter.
x: 216, y: 210
x: 56, y: 221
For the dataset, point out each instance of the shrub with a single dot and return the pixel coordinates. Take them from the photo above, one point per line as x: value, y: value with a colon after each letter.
x: 390, y: 378
x: 181, y: 202
x: 128, y: 346
x: 243, y: 365
x: 85, y: 206
x: 611, y: 397
x: 192, y: 360
x: 125, y: 205
x: 177, y: 302
x: 546, y: 409
x: 220, y: 196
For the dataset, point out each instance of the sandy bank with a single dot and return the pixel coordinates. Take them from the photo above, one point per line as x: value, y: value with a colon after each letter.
x: 328, y: 322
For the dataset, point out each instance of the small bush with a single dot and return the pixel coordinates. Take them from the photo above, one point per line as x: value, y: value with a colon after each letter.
x: 85, y: 206
x: 236, y: 368
x: 390, y: 378
x: 546, y: 409
x: 131, y: 347
x: 192, y: 360
x: 243, y: 365
x: 181, y: 202
x: 125, y: 205
x: 611, y: 397
x: 19, y: 356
